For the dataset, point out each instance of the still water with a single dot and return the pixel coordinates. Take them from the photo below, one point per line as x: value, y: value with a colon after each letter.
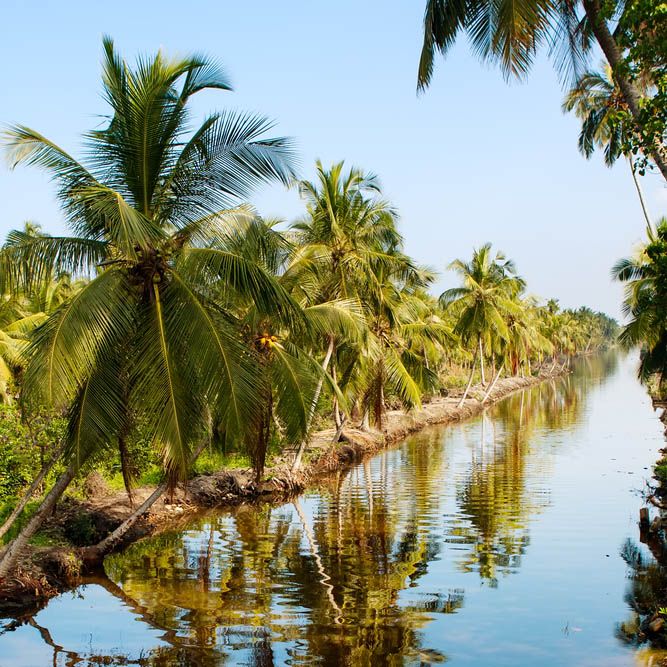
x: 493, y: 542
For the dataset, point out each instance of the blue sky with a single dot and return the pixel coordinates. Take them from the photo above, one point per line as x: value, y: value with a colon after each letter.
x: 472, y: 160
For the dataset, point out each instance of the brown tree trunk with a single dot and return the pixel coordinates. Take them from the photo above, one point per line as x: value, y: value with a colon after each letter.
x: 336, y: 412
x: 111, y: 540
x: 493, y: 384
x: 640, y: 194
x: 11, y: 555
x: 126, y: 468
x: 481, y: 361
x: 631, y: 95
x: 316, y: 397
x: 472, y: 372
x: 37, y: 484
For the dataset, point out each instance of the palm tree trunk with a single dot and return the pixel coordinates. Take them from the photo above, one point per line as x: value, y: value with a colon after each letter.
x: 113, y: 538
x: 379, y: 411
x: 640, y: 194
x: 481, y: 361
x: 11, y: 555
x: 37, y: 483
x: 316, y: 397
x: 366, y: 421
x: 126, y: 468
x: 472, y: 372
x: 107, y: 544
x: 493, y: 384
x: 631, y: 95
x: 336, y: 412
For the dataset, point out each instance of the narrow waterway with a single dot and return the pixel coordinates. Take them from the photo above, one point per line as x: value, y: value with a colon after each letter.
x: 499, y: 542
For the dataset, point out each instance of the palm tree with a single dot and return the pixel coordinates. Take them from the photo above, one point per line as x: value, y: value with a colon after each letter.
x: 597, y: 100
x: 145, y: 213
x: 16, y: 324
x: 482, y: 302
x: 348, y: 234
x: 394, y: 357
x: 645, y: 303
x: 291, y: 374
x: 510, y: 33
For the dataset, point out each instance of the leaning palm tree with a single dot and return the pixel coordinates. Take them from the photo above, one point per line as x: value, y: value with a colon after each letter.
x: 482, y: 302
x: 596, y: 100
x: 645, y: 304
x: 510, y: 33
x: 146, y: 209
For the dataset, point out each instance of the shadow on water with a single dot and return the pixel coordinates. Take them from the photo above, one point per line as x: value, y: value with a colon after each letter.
x: 340, y: 575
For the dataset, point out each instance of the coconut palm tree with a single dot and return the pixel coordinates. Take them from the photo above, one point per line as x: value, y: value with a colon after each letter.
x: 482, y: 302
x: 16, y: 324
x: 146, y: 210
x: 393, y: 359
x: 645, y: 304
x: 348, y: 234
x: 596, y: 100
x: 510, y: 33
x: 292, y: 375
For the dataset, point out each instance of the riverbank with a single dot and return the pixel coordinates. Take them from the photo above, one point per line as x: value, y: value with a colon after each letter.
x: 46, y: 571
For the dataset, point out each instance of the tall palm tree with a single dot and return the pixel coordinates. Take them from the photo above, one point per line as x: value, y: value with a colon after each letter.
x: 510, y: 33
x: 145, y: 210
x: 393, y: 358
x: 291, y: 374
x: 482, y: 302
x: 645, y: 304
x: 348, y: 234
x: 596, y: 100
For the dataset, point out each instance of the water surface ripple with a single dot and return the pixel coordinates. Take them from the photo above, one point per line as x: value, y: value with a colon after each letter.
x: 493, y: 542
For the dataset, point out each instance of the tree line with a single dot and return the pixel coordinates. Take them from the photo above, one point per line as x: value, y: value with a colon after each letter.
x: 173, y: 313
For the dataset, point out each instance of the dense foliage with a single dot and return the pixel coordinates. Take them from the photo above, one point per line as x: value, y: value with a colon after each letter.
x: 645, y: 305
x: 173, y: 319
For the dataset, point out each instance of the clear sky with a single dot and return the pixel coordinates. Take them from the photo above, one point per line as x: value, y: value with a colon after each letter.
x: 472, y: 160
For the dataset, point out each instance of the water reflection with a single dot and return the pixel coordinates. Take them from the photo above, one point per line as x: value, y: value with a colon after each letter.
x: 363, y: 570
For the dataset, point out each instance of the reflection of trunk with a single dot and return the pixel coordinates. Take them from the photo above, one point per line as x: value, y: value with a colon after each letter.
x: 15, y: 548
x: 472, y: 372
x: 493, y: 384
x: 37, y: 484
x: 369, y: 486
x: 170, y: 636
x: 314, y: 550
x: 205, y: 561
x: 47, y: 639
x: 111, y: 540
x: 316, y: 397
